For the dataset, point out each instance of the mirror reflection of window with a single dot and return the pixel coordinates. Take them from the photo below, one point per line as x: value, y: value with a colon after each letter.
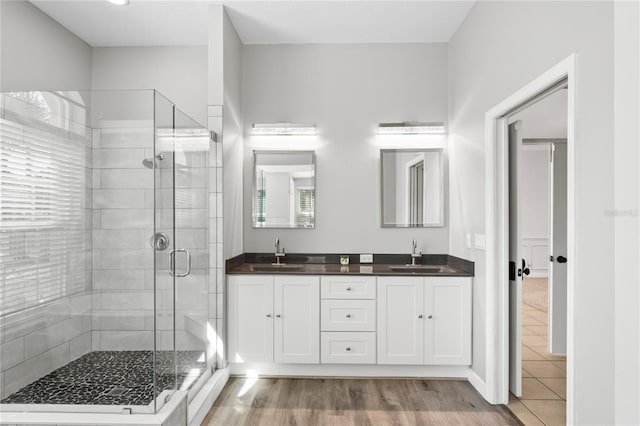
x: 284, y: 189
x: 412, y: 186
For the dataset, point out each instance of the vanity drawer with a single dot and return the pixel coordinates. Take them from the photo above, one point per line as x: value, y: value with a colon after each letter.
x: 348, y: 315
x: 348, y: 348
x: 348, y: 287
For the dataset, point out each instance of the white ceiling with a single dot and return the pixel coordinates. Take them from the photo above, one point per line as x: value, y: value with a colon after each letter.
x: 184, y: 22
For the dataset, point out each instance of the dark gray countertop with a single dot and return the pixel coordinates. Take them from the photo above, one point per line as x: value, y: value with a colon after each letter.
x: 328, y: 264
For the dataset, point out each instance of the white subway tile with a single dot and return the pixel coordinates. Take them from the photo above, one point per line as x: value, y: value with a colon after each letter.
x: 125, y: 279
x: 126, y: 219
x: 12, y: 353
x: 126, y: 340
x: 79, y: 346
x: 125, y: 300
x: 52, y: 336
x: 126, y: 138
x: 119, y: 199
x: 118, y: 320
x: 123, y: 158
x: 31, y: 370
x: 126, y: 178
x: 119, y: 239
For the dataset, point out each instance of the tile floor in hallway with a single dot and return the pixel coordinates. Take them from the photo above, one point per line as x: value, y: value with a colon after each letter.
x: 543, y: 374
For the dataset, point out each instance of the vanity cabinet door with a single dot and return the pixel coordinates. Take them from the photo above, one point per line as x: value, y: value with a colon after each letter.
x: 251, y: 318
x: 297, y: 319
x: 447, y: 321
x: 400, y: 320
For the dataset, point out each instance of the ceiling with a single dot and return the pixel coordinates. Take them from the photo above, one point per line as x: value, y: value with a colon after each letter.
x: 184, y: 22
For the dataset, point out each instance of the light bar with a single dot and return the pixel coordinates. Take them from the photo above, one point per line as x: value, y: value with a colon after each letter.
x: 284, y: 129
x: 410, y: 128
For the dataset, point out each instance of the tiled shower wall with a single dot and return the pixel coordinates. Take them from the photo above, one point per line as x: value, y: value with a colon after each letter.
x: 123, y: 260
x: 122, y: 300
x: 216, y: 323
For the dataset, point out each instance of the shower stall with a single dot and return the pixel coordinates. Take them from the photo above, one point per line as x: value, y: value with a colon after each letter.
x: 108, y: 277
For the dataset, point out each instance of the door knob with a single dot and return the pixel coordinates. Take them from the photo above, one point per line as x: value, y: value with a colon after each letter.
x: 348, y: 349
x: 268, y: 315
x: 420, y: 316
x: 430, y: 316
x: 561, y: 259
x: 525, y: 270
x: 348, y: 315
x: 277, y: 315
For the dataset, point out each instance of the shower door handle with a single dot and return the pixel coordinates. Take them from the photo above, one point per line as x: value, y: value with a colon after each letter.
x: 172, y: 263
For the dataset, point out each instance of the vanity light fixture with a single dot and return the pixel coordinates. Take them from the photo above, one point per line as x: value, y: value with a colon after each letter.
x: 410, y: 128
x: 284, y: 129
x: 119, y: 2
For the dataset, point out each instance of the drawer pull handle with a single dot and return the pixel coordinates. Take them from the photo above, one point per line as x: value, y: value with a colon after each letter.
x: 420, y: 316
x: 348, y: 315
x: 348, y: 288
x: 430, y: 316
x: 277, y: 315
x: 268, y: 315
x: 348, y: 349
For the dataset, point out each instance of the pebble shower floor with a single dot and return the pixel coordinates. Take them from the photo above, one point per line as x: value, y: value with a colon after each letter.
x: 113, y: 378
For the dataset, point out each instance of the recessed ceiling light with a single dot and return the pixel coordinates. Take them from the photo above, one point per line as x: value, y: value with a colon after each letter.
x: 119, y: 2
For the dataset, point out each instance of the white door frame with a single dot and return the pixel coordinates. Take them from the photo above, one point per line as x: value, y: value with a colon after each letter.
x: 497, y: 226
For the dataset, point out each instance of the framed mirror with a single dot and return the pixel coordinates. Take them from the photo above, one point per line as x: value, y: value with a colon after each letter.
x: 284, y: 194
x: 412, y: 188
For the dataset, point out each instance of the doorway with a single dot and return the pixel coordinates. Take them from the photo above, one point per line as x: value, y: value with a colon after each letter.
x: 497, y: 228
x: 537, y: 253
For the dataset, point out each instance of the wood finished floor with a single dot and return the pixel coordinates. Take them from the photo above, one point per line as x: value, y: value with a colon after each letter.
x: 285, y: 401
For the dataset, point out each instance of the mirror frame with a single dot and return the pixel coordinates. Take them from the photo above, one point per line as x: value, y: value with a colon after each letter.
x: 439, y: 224
x: 254, y: 198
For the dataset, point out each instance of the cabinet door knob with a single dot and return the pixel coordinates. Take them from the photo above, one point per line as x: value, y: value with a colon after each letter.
x: 348, y: 348
x: 277, y: 315
x: 420, y: 316
x: 348, y: 288
x: 268, y: 315
x: 348, y: 315
x: 430, y: 316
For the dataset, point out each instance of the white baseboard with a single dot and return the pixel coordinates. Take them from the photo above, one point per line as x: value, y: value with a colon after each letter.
x: 203, y: 401
x: 342, y: 370
x: 479, y: 384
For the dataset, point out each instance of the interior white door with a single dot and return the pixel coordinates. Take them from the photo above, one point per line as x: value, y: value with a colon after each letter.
x: 297, y: 319
x: 251, y: 318
x: 515, y: 260
x: 447, y: 321
x: 558, y: 251
x: 400, y: 320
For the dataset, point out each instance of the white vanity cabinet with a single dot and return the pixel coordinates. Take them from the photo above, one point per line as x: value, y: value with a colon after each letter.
x: 274, y: 319
x: 424, y: 320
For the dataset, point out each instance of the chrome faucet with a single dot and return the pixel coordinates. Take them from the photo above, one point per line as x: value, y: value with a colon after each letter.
x: 414, y: 253
x: 278, y: 253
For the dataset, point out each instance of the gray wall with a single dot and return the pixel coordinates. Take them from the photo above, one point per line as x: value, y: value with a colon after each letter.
x: 37, y: 53
x: 500, y: 47
x: 179, y: 73
x: 346, y: 90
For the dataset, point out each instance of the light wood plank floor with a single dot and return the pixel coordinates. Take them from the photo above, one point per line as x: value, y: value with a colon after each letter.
x: 288, y: 401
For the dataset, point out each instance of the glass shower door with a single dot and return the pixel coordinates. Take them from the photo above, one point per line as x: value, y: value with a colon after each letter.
x: 181, y: 247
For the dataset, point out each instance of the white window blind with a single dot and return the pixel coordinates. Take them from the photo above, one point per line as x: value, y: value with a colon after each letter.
x: 42, y: 217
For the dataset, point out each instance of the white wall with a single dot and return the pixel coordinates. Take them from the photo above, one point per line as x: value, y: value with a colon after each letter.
x: 346, y: 90
x: 499, y: 48
x: 626, y: 217
x: 178, y: 73
x: 37, y: 53
x: 535, y: 211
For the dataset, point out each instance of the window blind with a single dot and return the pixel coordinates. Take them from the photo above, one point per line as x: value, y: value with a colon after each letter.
x: 306, y: 204
x: 42, y: 217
